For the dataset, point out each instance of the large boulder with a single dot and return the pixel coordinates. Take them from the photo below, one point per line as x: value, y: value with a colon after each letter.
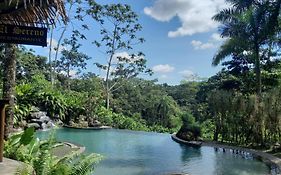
x: 94, y: 123
x: 38, y: 115
x: 39, y: 119
x: 59, y: 122
x: 45, y: 119
x: 36, y: 121
x: 35, y: 125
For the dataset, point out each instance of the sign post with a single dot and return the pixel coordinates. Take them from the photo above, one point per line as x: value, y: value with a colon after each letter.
x: 3, y: 104
x: 23, y: 35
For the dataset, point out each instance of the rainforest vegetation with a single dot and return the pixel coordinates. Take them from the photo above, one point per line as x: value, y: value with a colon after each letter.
x: 241, y: 104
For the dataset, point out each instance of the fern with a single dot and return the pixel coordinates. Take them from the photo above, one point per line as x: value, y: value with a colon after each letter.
x: 37, y: 154
x: 84, y: 165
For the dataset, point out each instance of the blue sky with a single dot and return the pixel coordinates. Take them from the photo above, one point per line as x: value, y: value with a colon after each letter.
x: 181, y: 38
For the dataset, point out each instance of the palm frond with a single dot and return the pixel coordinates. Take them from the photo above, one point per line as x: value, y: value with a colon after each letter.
x: 230, y: 46
x: 270, y: 24
x: 85, y: 165
x: 225, y: 15
x: 241, y: 4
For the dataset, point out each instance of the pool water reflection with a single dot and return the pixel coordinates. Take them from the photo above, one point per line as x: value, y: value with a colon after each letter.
x: 145, y: 153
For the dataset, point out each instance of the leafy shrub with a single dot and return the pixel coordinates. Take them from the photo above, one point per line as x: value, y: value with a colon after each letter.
x: 29, y: 149
x: 104, y: 116
x: 208, y: 129
x: 21, y: 112
x: 53, y: 103
x: 190, y: 130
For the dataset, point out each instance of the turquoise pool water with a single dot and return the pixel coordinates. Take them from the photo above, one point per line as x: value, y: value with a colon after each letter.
x: 145, y: 153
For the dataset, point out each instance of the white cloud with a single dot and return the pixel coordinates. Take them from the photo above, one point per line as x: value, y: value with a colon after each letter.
x: 163, y: 77
x: 189, y: 75
x: 54, y: 45
x: 213, y: 42
x: 72, y: 73
x: 163, y: 68
x: 116, y: 60
x: 125, y: 55
x: 217, y: 37
x: 121, y: 54
x: 198, y: 45
x: 195, y: 16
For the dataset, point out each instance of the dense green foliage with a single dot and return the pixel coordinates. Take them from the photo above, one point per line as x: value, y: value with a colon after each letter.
x: 27, y: 148
x: 151, y: 109
x: 245, y: 119
x: 240, y: 104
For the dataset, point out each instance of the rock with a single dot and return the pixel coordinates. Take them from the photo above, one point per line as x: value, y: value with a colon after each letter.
x: 35, y: 125
x: 94, y: 123
x: 37, y: 121
x: 44, y: 126
x: 37, y: 115
x: 200, y: 139
x: 82, y: 118
x: 34, y: 109
x: 97, y: 122
x: 23, y: 124
x: 277, y: 146
x: 56, y: 117
x: 50, y: 124
x: 17, y: 129
x: 59, y: 122
x: 45, y: 119
x: 83, y: 124
x: 71, y: 123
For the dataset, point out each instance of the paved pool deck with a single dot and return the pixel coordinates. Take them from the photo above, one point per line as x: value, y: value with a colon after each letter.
x: 10, y: 167
x: 266, y: 157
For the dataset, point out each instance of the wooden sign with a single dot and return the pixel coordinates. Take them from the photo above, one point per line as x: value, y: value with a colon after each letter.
x: 23, y: 35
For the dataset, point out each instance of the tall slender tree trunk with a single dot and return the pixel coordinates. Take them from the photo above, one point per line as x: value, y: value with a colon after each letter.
x: 50, y: 55
x: 108, y: 88
x: 54, y: 68
x: 9, y: 83
x: 258, y: 70
x: 68, y: 77
x: 259, y: 90
x: 107, y: 99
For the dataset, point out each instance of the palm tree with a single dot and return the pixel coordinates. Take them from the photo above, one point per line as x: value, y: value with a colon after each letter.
x: 249, y: 26
x: 26, y: 13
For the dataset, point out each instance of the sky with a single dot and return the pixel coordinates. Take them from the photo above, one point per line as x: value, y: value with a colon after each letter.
x: 181, y: 38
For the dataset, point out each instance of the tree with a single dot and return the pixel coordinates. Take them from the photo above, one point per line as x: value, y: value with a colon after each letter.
x: 29, y: 64
x: 119, y: 25
x: 250, y: 26
x: 25, y: 16
x: 75, y: 15
x: 9, y: 83
x: 72, y: 58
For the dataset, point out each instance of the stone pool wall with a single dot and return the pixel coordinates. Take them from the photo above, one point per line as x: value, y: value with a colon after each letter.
x: 273, y: 161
